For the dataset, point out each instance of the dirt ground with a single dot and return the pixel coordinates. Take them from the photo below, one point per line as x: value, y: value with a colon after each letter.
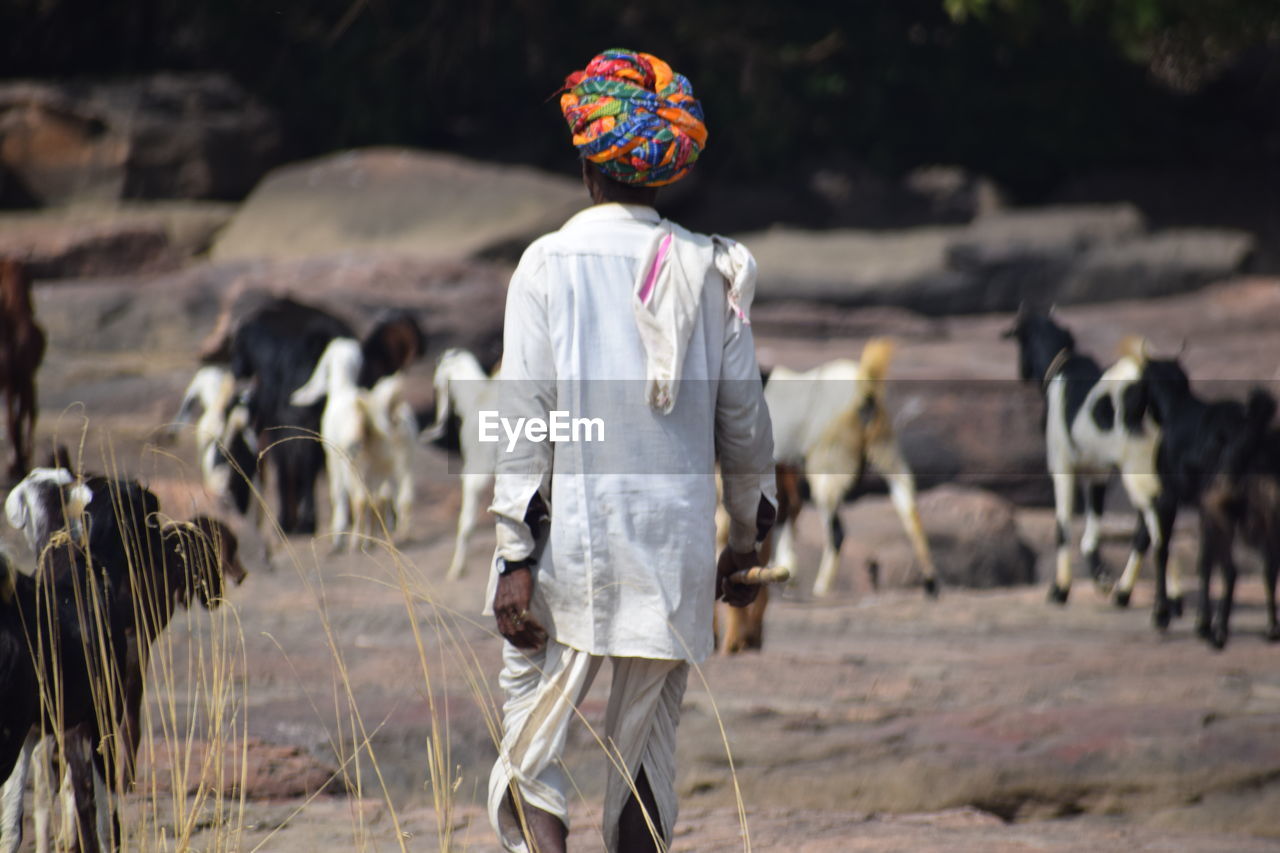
x: 872, y: 721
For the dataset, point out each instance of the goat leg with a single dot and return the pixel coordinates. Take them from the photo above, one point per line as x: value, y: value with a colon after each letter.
x: 1094, y: 497
x: 1063, y: 500
x: 1209, y: 547
x: 15, y: 435
x: 79, y: 758
x: 14, y: 789
x: 1222, y: 629
x: 1272, y: 570
x: 1164, y: 517
x: 1141, y: 542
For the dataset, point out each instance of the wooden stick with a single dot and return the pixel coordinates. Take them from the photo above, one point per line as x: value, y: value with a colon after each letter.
x: 761, y: 575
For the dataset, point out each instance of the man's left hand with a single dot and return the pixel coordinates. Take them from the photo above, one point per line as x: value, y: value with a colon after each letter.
x: 736, y: 594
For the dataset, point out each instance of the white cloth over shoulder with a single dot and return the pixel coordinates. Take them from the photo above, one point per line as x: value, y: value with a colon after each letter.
x: 668, y: 296
x: 627, y: 567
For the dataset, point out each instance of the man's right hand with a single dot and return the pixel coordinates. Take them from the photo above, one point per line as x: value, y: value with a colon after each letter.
x: 736, y: 594
x: 511, y: 607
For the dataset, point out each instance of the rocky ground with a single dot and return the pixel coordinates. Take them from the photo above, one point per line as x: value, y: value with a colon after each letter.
x: 873, y: 720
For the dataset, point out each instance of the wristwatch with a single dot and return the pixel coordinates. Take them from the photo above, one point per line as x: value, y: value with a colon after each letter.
x: 506, y: 567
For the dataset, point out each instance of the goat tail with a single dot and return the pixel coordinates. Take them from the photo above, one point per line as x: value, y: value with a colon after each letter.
x: 1135, y: 347
x: 876, y: 355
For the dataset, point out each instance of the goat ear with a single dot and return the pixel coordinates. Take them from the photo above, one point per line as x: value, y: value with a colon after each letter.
x: 17, y: 507
x: 1019, y: 319
x: 78, y: 498
x: 317, y: 386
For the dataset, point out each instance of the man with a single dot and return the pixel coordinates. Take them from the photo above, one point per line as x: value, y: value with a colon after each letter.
x: 623, y: 316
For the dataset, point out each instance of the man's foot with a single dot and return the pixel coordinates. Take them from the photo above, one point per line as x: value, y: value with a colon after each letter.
x: 542, y: 831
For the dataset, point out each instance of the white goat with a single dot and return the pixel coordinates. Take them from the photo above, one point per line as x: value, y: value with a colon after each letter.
x: 463, y: 389
x: 832, y: 422
x: 368, y: 443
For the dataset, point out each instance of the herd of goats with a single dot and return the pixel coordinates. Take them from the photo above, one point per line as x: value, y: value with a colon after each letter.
x: 280, y: 374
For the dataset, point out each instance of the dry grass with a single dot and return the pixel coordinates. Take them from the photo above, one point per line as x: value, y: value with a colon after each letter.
x: 192, y: 791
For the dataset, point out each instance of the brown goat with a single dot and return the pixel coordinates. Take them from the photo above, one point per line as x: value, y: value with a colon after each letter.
x: 22, y: 345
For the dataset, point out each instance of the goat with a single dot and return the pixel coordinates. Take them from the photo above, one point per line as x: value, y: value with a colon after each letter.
x: 1248, y: 493
x: 108, y: 579
x: 225, y: 445
x: 1201, y: 444
x: 462, y: 390
x: 393, y: 343
x: 829, y: 423
x: 1093, y: 426
x: 278, y: 344
x: 368, y: 442
x: 739, y: 629
x: 278, y: 347
x: 22, y: 345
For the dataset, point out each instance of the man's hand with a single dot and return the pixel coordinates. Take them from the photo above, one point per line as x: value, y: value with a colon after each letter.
x: 511, y: 607
x: 736, y: 594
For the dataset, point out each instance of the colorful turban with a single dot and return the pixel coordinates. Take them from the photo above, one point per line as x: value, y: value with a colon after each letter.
x: 634, y: 117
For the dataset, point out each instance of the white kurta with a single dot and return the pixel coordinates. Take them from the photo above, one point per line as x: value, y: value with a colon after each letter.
x: 628, y: 566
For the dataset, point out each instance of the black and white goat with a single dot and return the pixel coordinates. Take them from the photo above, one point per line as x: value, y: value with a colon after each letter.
x: 831, y: 423
x: 1094, y: 424
x: 1219, y: 457
x: 225, y: 444
x: 368, y: 437
x: 109, y: 576
x: 463, y: 389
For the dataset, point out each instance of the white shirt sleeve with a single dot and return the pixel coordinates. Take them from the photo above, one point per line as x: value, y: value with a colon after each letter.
x: 744, y: 438
x: 527, y: 389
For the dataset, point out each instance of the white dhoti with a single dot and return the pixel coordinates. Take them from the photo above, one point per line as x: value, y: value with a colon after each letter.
x: 543, y: 690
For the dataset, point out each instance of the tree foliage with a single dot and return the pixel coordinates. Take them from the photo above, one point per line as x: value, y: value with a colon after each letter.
x: 1023, y: 90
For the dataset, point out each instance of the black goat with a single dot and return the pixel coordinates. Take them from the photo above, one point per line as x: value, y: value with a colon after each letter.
x: 108, y: 579
x: 1202, y: 443
x: 278, y: 347
x: 1249, y: 493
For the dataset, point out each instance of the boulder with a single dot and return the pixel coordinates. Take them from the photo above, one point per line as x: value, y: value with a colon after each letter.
x: 1167, y: 262
x: 433, y: 206
x: 854, y: 268
x: 161, y: 136
x: 975, y: 539
x: 456, y: 304
x: 76, y: 249
x: 1068, y: 255
x: 108, y: 240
